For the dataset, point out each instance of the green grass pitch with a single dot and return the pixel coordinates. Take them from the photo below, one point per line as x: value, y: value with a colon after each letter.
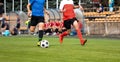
x: 24, y: 49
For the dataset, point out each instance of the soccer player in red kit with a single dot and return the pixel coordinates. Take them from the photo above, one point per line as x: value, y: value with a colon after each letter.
x: 67, y: 8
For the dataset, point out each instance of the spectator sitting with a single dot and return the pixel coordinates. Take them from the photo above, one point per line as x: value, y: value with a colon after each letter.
x: 14, y: 31
x: 100, y: 9
x: 111, y: 5
x: 6, y: 31
x: 48, y: 29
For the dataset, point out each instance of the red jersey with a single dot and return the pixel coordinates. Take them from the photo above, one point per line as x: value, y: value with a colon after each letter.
x: 52, y: 23
x: 69, y: 12
x: 68, y: 9
x: 57, y: 23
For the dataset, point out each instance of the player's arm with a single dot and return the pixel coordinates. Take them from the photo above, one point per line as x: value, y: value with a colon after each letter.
x: 61, y: 6
x: 81, y: 7
x: 78, y: 6
x: 46, y: 11
x: 28, y: 9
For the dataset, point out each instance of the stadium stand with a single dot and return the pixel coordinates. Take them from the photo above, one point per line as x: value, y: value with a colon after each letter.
x: 104, y: 23
x: 95, y: 23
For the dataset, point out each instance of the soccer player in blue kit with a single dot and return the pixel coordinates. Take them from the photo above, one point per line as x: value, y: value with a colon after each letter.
x: 36, y: 9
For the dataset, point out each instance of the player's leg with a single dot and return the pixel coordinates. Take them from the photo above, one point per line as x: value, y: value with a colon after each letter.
x: 32, y: 29
x: 79, y: 34
x: 40, y: 32
x: 41, y: 29
x: 62, y: 35
x: 67, y: 25
x: 33, y: 24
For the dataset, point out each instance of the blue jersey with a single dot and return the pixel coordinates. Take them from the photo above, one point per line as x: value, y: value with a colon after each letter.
x: 37, y: 7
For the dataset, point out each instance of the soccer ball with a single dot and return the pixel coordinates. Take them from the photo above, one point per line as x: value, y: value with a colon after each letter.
x: 44, y: 44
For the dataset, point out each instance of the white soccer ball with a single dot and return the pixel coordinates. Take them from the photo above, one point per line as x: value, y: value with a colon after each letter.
x: 44, y: 44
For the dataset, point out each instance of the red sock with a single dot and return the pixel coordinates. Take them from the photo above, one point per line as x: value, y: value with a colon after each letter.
x: 61, y: 36
x: 64, y: 34
x: 79, y: 34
